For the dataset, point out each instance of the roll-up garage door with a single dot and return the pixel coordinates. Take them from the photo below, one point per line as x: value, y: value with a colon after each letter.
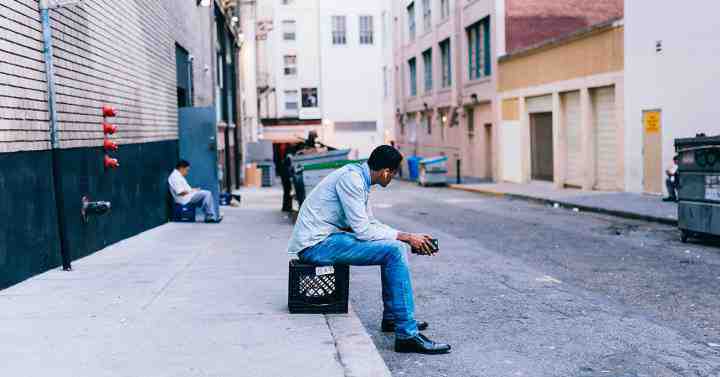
x: 573, y: 140
x: 606, y: 138
x: 541, y: 104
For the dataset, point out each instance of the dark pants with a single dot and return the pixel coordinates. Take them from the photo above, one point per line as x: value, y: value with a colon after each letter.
x: 671, y: 185
x: 287, y: 189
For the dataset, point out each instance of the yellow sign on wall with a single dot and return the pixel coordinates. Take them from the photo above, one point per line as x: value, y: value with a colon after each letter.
x: 651, y: 121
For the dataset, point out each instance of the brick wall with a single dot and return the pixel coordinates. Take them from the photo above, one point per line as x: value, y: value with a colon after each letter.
x: 23, y: 103
x: 116, y: 52
x: 532, y: 21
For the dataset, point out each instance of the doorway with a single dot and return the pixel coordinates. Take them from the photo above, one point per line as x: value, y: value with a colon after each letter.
x: 652, y: 152
x: 541, y: 146
x: 488, y: 151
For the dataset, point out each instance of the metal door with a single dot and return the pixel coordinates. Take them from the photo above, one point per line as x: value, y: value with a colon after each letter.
x: 606, y: 138
x: 541, y: 146
x: 573, y: 141
x: 198, y: 145
x: 652, y: 151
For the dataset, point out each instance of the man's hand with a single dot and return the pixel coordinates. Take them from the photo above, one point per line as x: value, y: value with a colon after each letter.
x: 420, y: 243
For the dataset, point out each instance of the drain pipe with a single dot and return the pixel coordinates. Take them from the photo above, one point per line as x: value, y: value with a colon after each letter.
x: 54, y: 139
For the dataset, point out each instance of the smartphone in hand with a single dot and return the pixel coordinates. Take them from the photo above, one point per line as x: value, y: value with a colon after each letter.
x: 436, y: 246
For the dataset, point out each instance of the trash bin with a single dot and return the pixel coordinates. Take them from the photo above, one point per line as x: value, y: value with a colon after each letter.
x: 433, y: 171
x: 698, y: 186
x: 268, y: 173
x: 414, y: 167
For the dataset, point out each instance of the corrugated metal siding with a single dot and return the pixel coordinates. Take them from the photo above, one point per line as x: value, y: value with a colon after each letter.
x: 573, y: 141
x: 605, y: 137
x: 540, y: 104
x: 106, y: 52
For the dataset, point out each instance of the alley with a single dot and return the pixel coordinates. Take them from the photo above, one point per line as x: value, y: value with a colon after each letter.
x: 521, y: 289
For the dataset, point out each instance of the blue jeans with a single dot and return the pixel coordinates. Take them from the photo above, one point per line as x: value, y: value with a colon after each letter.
x: 397, y: 295
x: 204, y: 198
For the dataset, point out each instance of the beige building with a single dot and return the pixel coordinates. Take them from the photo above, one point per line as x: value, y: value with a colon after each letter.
x: 446, y: 55
x: 561, y: 116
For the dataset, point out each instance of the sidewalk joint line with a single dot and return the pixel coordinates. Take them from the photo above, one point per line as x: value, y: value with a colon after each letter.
x: 172, y: 279
x: 338, y: 356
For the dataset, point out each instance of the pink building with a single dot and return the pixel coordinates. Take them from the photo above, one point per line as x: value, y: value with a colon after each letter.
x: 446, y: 69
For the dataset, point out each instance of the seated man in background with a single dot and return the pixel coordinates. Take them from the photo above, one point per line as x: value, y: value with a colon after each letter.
x: 336, y: 226
x: 671, y: 182
x: 183, y: 194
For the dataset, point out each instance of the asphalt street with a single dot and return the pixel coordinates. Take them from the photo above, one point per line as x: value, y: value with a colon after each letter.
x: 521, y: 289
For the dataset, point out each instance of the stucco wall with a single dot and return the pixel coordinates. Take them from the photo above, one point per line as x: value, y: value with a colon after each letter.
x: 591, y: 55
x: 681, y: 80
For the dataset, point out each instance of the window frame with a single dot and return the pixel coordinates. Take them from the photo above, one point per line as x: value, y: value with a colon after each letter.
x: 427, y: 15
x: 478, y: 49
x: 339, y: 34
x: 367, y: 36
x: 444, y: 9
x: 427, y: 56
x: 446, y: 63
x: 287, y: 95
x: 290, y: 66
x: 286, y: 33
x: 412, y: 27
x: 412, y: 71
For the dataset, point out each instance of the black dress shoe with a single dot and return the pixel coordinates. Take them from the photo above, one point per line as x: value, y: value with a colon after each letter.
x: 420, y: 344
x: 389, y: 326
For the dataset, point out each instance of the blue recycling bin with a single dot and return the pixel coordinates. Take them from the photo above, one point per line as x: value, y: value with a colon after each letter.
x: 414, y: 167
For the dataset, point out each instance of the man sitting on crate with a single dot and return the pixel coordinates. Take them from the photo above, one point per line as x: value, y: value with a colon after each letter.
x: 336, y: 226
x: 183, y: 194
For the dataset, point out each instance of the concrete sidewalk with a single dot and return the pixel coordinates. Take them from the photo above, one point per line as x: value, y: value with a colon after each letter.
x: 621, y: 204
x: 181, y: 300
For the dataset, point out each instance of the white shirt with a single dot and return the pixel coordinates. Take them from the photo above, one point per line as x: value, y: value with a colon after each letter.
x: 179, y: 184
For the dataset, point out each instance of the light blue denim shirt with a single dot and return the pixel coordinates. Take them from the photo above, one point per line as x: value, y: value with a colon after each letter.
x: 340, y: 201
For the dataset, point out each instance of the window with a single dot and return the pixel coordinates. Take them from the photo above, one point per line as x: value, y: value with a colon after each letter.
x: 470, y: 113
x: 413, y: 76
x: 427, y: 69
x: 291, y: 100
x: 446, y: 63
x: 288, y: 27
x: 411, y: 21
x: 366, y: 30
x: 339, y: 30
x: 444, y: 9
x: 478, y: 36
x: 386, y: 83
x: 427, y: 15
x: 290, y: 65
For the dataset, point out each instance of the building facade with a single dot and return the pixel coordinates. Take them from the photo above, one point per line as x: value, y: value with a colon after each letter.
x: 318, y: 68
x: 447, y: 65
x: 561, y: 117
x: 670, y: 85
x: 132, y: 56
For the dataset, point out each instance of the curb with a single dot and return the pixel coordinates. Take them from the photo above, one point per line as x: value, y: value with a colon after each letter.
x: 570, y: 205
x: 356, y: 352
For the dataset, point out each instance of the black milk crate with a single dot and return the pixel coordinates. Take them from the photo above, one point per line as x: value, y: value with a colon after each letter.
x: 318, y: 290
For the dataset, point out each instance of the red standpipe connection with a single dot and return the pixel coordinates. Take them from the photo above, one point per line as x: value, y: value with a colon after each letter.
x: 110, y: 146
x: 111, y: 163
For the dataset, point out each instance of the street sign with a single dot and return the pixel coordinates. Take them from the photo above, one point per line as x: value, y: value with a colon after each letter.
x: 63, y: 3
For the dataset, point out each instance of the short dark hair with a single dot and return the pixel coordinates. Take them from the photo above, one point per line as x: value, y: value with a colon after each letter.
x: 182, y: 164
x: 385, y: 157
